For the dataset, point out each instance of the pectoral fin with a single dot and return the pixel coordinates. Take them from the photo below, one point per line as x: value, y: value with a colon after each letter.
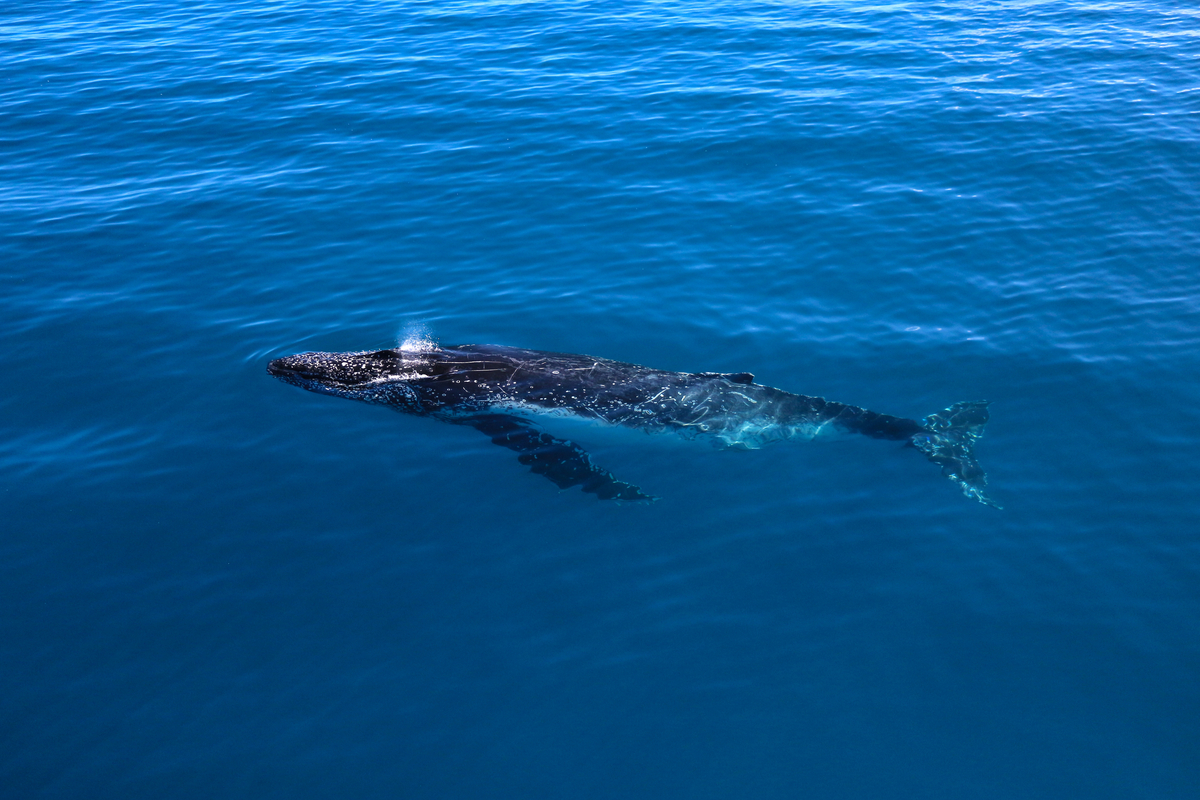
x: 563, y: 462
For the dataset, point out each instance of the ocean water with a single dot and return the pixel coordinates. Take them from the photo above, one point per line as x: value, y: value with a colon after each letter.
x: 215, y: 585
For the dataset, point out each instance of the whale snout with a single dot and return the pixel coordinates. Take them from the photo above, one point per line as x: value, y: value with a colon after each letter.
x: 293, y: 368
x: 284, y: 368
x: 331, y: 370
x: 279, y: 367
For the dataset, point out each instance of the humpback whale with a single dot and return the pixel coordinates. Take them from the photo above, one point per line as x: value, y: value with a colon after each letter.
x: 505, y: 392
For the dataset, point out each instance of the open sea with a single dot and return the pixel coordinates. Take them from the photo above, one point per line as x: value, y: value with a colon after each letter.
x: 213, y: 585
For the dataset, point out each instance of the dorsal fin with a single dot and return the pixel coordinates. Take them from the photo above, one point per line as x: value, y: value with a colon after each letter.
x: 732, y: 377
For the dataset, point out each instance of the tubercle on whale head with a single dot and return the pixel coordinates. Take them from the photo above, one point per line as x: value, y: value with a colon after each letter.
x: 342, y: 372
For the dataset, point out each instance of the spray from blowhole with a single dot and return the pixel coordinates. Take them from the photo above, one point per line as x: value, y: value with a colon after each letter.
x: 416, y: 337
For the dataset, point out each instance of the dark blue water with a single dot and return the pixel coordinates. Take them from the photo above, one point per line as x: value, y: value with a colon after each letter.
x: 215, y: 585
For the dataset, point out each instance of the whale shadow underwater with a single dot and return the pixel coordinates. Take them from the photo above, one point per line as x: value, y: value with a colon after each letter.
x: 505, y: 392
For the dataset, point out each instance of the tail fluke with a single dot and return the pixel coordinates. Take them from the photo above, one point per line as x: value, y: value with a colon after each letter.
x: 948, y: 439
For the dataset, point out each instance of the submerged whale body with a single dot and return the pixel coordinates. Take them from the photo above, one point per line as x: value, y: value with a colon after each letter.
x: 502, y: 391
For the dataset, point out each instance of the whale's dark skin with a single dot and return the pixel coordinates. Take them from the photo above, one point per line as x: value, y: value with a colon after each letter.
x: 500, y: 391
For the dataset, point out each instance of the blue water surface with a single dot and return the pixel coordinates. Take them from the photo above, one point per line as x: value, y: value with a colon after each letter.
x: 215, y: 585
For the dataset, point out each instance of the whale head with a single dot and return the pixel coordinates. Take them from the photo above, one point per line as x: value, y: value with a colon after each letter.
x: 379, y: 377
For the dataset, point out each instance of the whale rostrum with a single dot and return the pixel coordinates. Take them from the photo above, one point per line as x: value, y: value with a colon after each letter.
x: 504, y: 392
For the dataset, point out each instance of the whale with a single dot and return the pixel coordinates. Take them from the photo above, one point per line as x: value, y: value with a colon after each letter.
x: 511, y: 395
